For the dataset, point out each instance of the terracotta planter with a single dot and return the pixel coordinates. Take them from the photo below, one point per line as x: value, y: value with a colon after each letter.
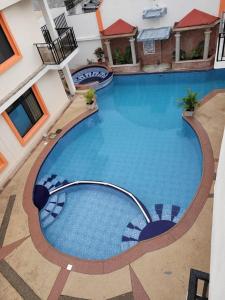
x: 93, y: 105
x: 188, y: 113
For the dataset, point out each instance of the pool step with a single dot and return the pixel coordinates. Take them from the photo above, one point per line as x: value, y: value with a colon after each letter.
x: 158, y: 212
x: 52, y: 209
x: 51, y: 182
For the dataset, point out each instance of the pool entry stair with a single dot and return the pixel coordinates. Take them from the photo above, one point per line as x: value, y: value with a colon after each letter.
x: 49, y: 206
x: 163, y: 217
x: 52, y: 209
x: 50, y: 197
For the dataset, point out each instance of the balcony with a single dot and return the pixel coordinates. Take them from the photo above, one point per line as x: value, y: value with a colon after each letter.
x: 55, y: 52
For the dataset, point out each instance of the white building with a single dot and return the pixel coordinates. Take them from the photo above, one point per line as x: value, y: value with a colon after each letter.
x: 32, y: 95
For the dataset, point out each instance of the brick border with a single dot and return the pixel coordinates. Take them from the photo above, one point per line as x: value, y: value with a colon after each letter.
x: 123, y: 259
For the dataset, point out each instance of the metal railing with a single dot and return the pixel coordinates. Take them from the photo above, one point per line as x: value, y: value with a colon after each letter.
x: 193, y: 288
x: 60, y: 26
x: 55, y: 52
x: 70, y: 4
x: 221, y: 40
x: 221, y: 47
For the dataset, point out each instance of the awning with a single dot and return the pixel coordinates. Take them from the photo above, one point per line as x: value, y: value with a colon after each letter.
x: 154, y: 12
x: 156, y: 34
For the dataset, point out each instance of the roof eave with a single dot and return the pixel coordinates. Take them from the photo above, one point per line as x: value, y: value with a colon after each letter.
x: 175, y: 29
x: 116, y: 36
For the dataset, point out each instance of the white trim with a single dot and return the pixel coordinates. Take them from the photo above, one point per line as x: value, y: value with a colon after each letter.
x: 104, y: 184
x: 88, y: 38
x: 23, y: 89
x: 31, y: 82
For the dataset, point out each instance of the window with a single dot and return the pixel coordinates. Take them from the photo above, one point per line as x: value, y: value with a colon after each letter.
x: 26, y: 114
x: 9, y: 52
x: 149, y: 47
x: 3, y: 162
x: 5, y: 50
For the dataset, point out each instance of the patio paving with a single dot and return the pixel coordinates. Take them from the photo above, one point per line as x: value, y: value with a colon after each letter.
x: 159, y: 275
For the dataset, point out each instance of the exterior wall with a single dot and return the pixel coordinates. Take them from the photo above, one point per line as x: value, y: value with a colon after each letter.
x: 86, y: 52
x: 163, y: 53
x: 6, y: 3
x: 217, y: 264
x: 87, y: 34
x: 196, y: 64
x: 55, y: 100
x: 131, y: 11
x: 25, y: 31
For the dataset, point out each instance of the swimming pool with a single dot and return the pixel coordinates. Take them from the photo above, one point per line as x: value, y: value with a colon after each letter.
x: 137, y: 141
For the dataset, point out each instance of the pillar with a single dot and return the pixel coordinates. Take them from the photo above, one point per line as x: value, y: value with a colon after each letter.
x: 206, y: 44
x: 133, y: 51
x: 69, y: 80
x: 177, y: 50
x: 48, y: 18
x: 107, y: 43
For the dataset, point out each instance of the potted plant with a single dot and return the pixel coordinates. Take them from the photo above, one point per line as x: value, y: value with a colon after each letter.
x: 99, y: 53
x: 90, y: 98
x: 189, y: 103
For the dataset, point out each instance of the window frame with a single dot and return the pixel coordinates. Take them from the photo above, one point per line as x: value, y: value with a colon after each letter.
x: 23, y: 140
x: 17, y: 54
x: 144, y: 49
x: 3, y: 162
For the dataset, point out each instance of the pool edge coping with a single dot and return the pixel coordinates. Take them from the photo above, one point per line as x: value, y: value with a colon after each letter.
x: 127, y: 257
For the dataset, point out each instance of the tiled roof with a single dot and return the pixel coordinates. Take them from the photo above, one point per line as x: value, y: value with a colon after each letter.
x: 196, y: 18
x: 118, y: 28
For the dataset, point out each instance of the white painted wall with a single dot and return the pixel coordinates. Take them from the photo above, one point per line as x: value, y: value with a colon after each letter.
x: 6, y: 3
x: 87, y: 34
x: 26, y: 31
x: 217, y: 264
x: 56, y: 100
x: 131, y: 11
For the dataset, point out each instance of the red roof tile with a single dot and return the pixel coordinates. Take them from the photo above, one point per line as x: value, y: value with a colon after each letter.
x: 119, y: 27
x: 196, y: 18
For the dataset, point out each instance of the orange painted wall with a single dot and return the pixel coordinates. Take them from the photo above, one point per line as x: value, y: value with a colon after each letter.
x: 35, y: 128
x: 99, y: 18
x: 222, y: 7
x: 3, y: 162
x: 17, y: 54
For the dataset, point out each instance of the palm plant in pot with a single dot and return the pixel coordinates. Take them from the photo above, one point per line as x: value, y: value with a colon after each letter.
x: 90, y: 97
x: 189, y: 103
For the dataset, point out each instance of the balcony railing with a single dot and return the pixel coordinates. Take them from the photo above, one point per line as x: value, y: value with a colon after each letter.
x: 221, y: 47
x: 55, y: 52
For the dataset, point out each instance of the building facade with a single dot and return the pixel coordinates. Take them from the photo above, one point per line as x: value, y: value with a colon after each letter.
x: 32, y: 95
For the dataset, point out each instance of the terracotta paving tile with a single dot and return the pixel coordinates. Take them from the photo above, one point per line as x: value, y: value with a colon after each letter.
x: 138, y: 290
x: 59, y: 284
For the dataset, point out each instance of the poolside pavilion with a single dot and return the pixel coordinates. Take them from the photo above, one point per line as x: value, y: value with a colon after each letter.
x: 195, y: 40
x: 119, y: 44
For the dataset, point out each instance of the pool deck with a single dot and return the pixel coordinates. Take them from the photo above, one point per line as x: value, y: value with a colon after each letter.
x: 157, y: 275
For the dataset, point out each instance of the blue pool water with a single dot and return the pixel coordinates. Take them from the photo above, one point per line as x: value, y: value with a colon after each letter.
x: 138, y: 141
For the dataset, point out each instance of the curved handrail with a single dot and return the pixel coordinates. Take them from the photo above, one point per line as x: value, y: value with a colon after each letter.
x: 137, y: 202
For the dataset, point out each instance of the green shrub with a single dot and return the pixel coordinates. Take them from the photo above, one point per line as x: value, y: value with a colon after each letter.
x: 89, y: 96
x: 120, y: 59
x: 197, y: 53
x: 190, y: 102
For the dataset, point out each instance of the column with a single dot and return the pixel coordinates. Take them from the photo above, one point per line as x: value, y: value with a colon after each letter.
x: 69, y: 80
x: 206, y: 44
x: 107, y: 43
x: 177, y: 50
x: 48, y: 18
x: 133, y: 51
